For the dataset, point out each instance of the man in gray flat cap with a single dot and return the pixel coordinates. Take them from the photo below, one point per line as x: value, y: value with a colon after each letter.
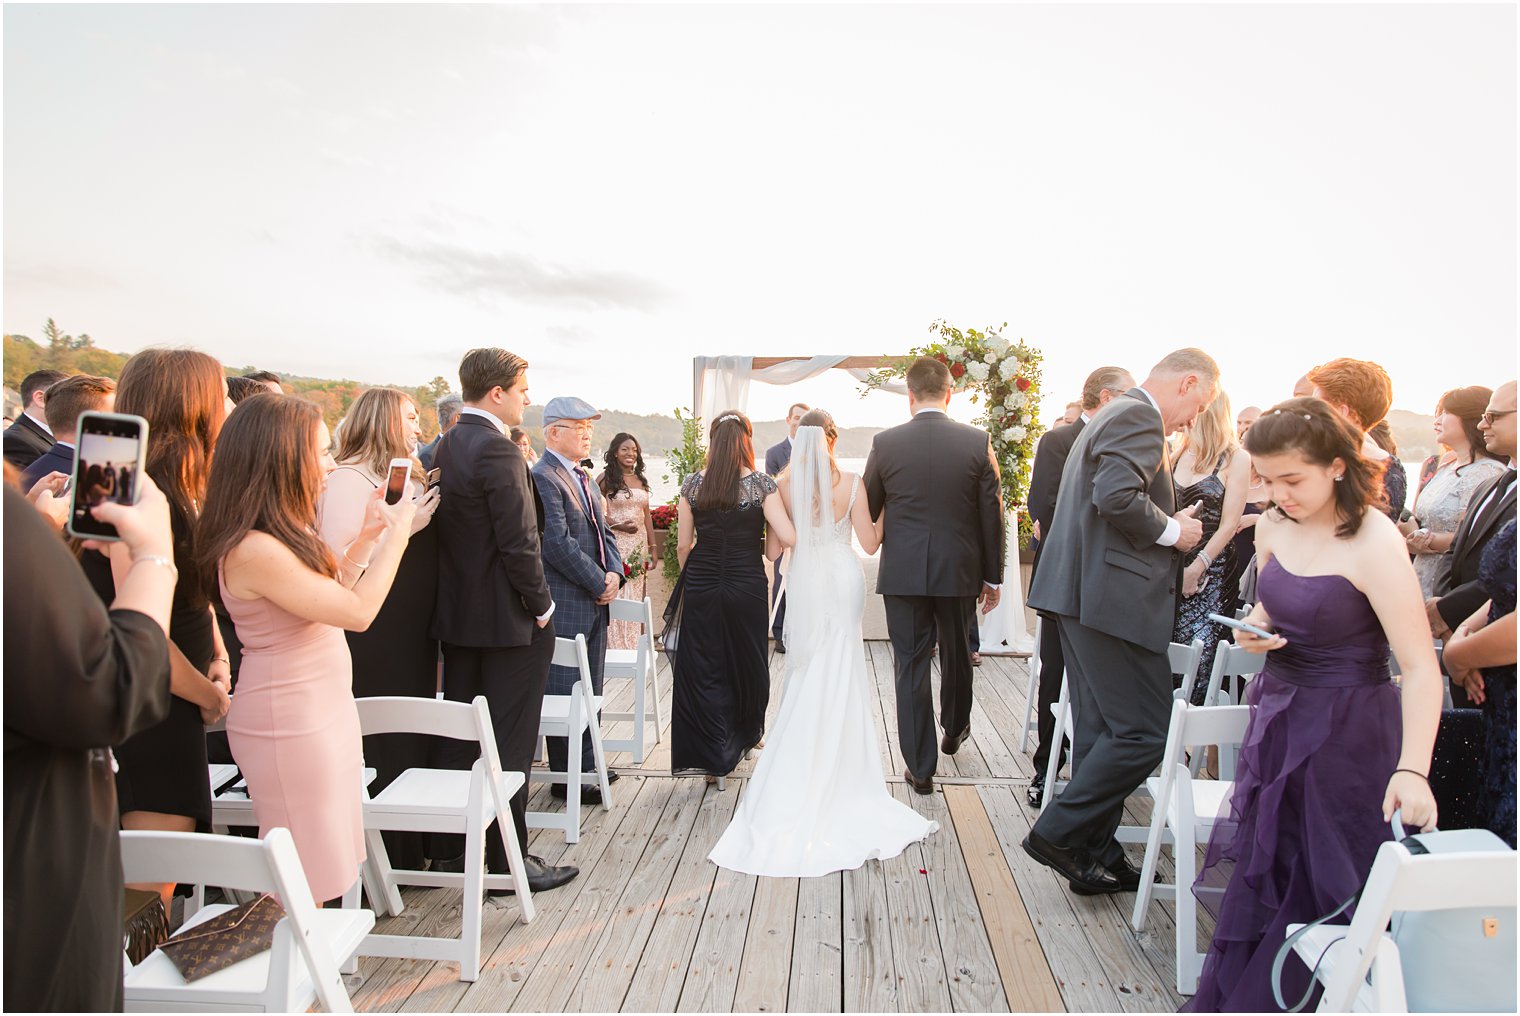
x: 581, y: 559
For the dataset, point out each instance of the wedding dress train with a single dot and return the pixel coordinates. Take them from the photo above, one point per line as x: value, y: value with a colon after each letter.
x: 818, y: 800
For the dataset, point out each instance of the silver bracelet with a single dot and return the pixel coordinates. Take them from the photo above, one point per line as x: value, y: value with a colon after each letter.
x: 1203, y: 556
x: 357, y: 564
x: 158, y: 559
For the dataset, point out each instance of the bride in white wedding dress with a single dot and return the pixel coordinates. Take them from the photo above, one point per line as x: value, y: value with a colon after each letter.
x: 818, y: 800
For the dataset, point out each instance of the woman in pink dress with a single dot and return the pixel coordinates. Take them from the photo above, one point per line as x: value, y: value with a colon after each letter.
x: 293, y: 727
x: 626, y: 489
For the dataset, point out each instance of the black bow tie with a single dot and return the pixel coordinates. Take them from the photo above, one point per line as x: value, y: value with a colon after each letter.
x: 587, y: 464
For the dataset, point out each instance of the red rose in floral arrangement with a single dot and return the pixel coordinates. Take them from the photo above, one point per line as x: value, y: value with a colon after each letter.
x: 957, y: 370
x: 942, y: 358
x: 1023, y: 384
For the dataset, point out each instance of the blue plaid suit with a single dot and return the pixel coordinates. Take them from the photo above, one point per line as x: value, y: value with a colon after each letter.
x: 576, y: 579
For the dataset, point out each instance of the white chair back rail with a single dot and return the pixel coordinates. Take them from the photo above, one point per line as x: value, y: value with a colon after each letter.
x: 569, y: 716
x: 1361, y: 966
x: 441, y: 801
x: 310, y: 944
x: 1230, y: 662
x: 638, y: 665
x: 1184, y: 812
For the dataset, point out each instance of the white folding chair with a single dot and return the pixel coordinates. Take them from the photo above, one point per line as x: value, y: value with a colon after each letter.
x: 1238, y: 666
x: 568, y: 716
x: 1032, y: 689
x: 1185, y: 811
x: 442, y: 801
x: 637, y: 664
x: 309, y: 943
x: 1360, y: 964
x: 1182, y: 659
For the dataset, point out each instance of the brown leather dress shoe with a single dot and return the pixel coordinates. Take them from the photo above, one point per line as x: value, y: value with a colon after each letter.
x: 924, y: 786
x: 952, y: 742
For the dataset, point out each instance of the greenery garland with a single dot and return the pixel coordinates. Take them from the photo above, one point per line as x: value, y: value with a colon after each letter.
x: 1004, y: 378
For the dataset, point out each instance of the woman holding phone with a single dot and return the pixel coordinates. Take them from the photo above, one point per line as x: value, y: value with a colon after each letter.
x: 1333, y: 747
x: 396, y: 655
x: 161, y: 777
x: 293, y: 727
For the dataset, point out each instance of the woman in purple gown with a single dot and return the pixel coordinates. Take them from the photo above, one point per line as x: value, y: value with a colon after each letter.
x: 1333, y: 746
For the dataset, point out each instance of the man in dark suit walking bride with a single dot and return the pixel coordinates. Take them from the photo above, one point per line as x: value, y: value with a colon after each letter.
x: 942, y: 549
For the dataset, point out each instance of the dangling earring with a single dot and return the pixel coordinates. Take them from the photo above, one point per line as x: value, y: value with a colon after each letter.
x: 1339, y: 478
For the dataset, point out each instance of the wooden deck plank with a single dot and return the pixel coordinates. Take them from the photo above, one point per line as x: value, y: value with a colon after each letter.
x: 567, y: 957
x: 765, y: 971
x: 922, y: 984
x: 817, y: 953
x: 970, y: 967
x: 623, y: 937
x: 886, y: 684
x: 1027, y: 980
x: 870, y: 982
x: 712, y: 979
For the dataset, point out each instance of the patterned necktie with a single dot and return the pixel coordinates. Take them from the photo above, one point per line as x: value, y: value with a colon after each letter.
x: 601, y: 548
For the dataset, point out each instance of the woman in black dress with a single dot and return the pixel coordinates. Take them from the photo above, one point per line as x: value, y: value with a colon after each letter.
x: 715, y: 624
x: 395, y: 655
x: 161, y: 781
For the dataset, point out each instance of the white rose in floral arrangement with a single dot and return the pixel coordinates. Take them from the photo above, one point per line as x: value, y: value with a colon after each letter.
x: 990, y: 357
x: 997, y: 343
x: 1024, y: 419
x: 1016, y: 433
x: 977, y: 370
x: 1016, y: 400
x: 955, y: 352
x: 1008, y: 368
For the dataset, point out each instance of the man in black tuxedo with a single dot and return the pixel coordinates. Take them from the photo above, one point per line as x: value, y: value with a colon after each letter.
x: 777, y: 457
x: 65, y: 401
x: 1458, y: 593
x: 1102, y: 387
x: 492, y: 614
x: 29, y: 437
x: 942, y: 549
x: 1109, y: 570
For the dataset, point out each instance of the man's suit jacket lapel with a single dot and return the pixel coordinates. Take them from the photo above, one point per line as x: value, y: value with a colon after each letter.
x: 1163, y: 488
x: 1477, y: 525
x: 568, y: 480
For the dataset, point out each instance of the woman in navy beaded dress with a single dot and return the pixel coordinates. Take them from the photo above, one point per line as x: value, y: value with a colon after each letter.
x: 1333, y: 747
x: 1486, y: 641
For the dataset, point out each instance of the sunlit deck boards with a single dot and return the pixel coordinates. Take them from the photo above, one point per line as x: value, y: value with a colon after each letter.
x: 963, y: 922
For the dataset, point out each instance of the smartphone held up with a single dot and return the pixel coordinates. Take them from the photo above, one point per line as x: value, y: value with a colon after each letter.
x: 113, y: 450
x: 395, y: 480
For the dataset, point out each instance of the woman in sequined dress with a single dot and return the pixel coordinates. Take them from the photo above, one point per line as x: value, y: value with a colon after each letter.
x: 626, y: 489
x: 1211, y: 472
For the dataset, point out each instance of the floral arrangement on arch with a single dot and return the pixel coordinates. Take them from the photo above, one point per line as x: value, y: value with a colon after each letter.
x: 1004, y: 379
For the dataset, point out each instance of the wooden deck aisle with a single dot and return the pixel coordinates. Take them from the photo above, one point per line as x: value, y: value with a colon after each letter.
x: 963, y: 922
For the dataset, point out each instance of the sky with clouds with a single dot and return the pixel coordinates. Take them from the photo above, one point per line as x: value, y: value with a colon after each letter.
x: 367, y: 191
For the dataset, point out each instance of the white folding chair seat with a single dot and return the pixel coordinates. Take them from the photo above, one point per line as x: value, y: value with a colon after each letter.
x: 638, y: 665
x: 1185, y: 811
x: 309, y: 943
x: 569, y: 716
x: 441, y: 801
x: 1183, y: 661
x: 1360, y: 965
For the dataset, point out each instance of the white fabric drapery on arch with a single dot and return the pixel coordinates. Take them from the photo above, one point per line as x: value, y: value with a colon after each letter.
x: 722, y: 382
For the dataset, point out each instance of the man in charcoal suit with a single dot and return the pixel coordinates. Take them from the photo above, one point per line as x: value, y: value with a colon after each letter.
x: 1110, y: 570
x: 493, y: 609
x: 447, y: 409
x: 29, y: 438
x: 938, y: 484
x: 581, y: 560
x: 777, y: 457
x: 1102, y: 387
x: 1458, y: 591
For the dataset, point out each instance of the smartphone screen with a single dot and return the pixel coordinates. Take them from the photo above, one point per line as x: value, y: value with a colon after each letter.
x: 106, y: 469
x: 395, y: 483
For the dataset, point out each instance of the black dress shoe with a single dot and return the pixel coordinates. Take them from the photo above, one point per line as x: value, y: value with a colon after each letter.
x: 541, y: 876
x: 952, y: 742
x: 781, y: 647
x: 590, y: 793
x: 1037, y: 791
x: 924, y: 786
x: 1087, y: 877
x: 1127, y: 874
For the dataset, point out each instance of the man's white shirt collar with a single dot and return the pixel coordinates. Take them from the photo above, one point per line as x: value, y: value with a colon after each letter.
x: 572, y: 466
x: 929, y: 409
x: 1152, y: 400
x: 39, y: 421
x: 1085, y: 417
x: 495, y: 421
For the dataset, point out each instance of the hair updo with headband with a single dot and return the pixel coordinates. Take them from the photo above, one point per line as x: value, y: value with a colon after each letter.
x: 1321, y: 435
x: 730, y: 458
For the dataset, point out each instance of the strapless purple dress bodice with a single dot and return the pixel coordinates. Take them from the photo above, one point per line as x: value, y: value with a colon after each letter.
x: 1334, y: 638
